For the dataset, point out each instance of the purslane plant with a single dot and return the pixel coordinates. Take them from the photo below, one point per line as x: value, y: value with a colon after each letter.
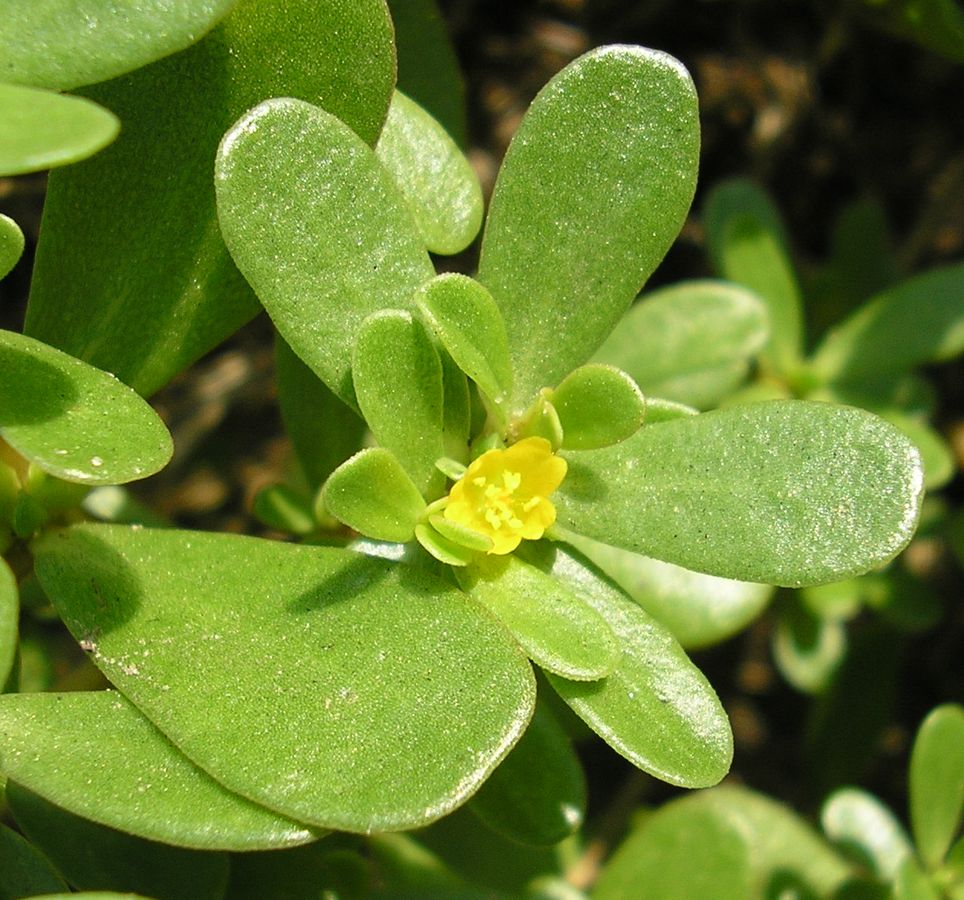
x: 301, y: 688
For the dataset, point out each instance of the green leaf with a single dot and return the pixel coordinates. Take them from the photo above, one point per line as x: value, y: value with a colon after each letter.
x: 456, y: 409
x: 867, y: 831
x: 469, y: 324
x: 557, y: 627
x: 60, y: 45
x: 787, y: 493
x: 373, y: 494
x: 24, y: 870
x: 656, y: 708
x: 11, y: 244
x: 318, y: 228
x: 683, y: 851
x: 95, y: 756
x: 937, y: 782
x: 339, y: 690
x: 593, y: 190
x: 699, y: 610
x: 9, y: 619
x: 913, y: 884
x: 538, y: 794
x: 93, y: 857
x: 597, y: 406
x: 677, y: 337
x: 428, y: 69
x: 74, y: 421
x: 440, y: 186
x: 284, y: 509
x: 324, y: 432
x: 807, y: 648
x: 40, y: 129
x: 920, y: 320
x: 397, y: 376
x: 748, y: 246
x: 174, y: 293
x: 936, y: 454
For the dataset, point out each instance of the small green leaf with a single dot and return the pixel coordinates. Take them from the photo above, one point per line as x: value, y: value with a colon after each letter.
x: 60, y: 45
x: 593, y: 190
x: 866, y: 831
x: 40, y: 129
x: 74, y: 421
x: 318, y: 228
x: 94, y: 755
x: 324, y: 432
x: 24, y: 870
x: 559, y: 630
x: 538, y: 793
x: 683, y: 851
x: 917, y: 321
x: 284, y: 509
x: 675, y: 337
x: 397, y: 376
x: 937, y: 782
x: 807, y: 648
x: 461, y: 534
x: 428, y: 69
x: 469, y: 324
x: 659, y: 410
x: 174, y: 293
x: 9, y: 619
x: 342, y: 691
x: 786, y: 493
x: 443, y: 548
x: 373, y: 494
x: 656, y: 708
x: 11, y: 244
x: 93, y: 857
x: 748, y: 246
x: 437, y: 181
x: 699, y: 610
x: 597, y: 406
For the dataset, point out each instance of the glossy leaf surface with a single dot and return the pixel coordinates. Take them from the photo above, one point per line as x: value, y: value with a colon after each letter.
x: 597, y: 406
x: 744, y: 492
x: 95, y: 858
x: 94, y: 755
x: 469, y: 324
x: 40, y: 129
x: 337, y: 689
x: 74, y: 421
x: 866, y: 830
x: 918, y: 321
x: 656, y: 708
x: 437, y: 181
x: 318, y: 228
x: 559, y: 630
x: 937, y: 782
x: 373, y: 494
x: 679, y: 336
x: 174, y: 293
x: 748, y: 246
x: 538, y: 793
x: 60, y: 45
x: 592, y: 192
x: 11, y: 244
x: 9, y: 617
x: 397, y: 376
x: 24, y: 870
x: 698, y: 609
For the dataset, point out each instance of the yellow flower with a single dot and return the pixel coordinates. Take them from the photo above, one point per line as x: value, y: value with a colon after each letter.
x: 504, y: 493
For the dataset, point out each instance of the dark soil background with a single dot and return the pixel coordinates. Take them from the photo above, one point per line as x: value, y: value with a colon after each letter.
x: 806, y: 97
